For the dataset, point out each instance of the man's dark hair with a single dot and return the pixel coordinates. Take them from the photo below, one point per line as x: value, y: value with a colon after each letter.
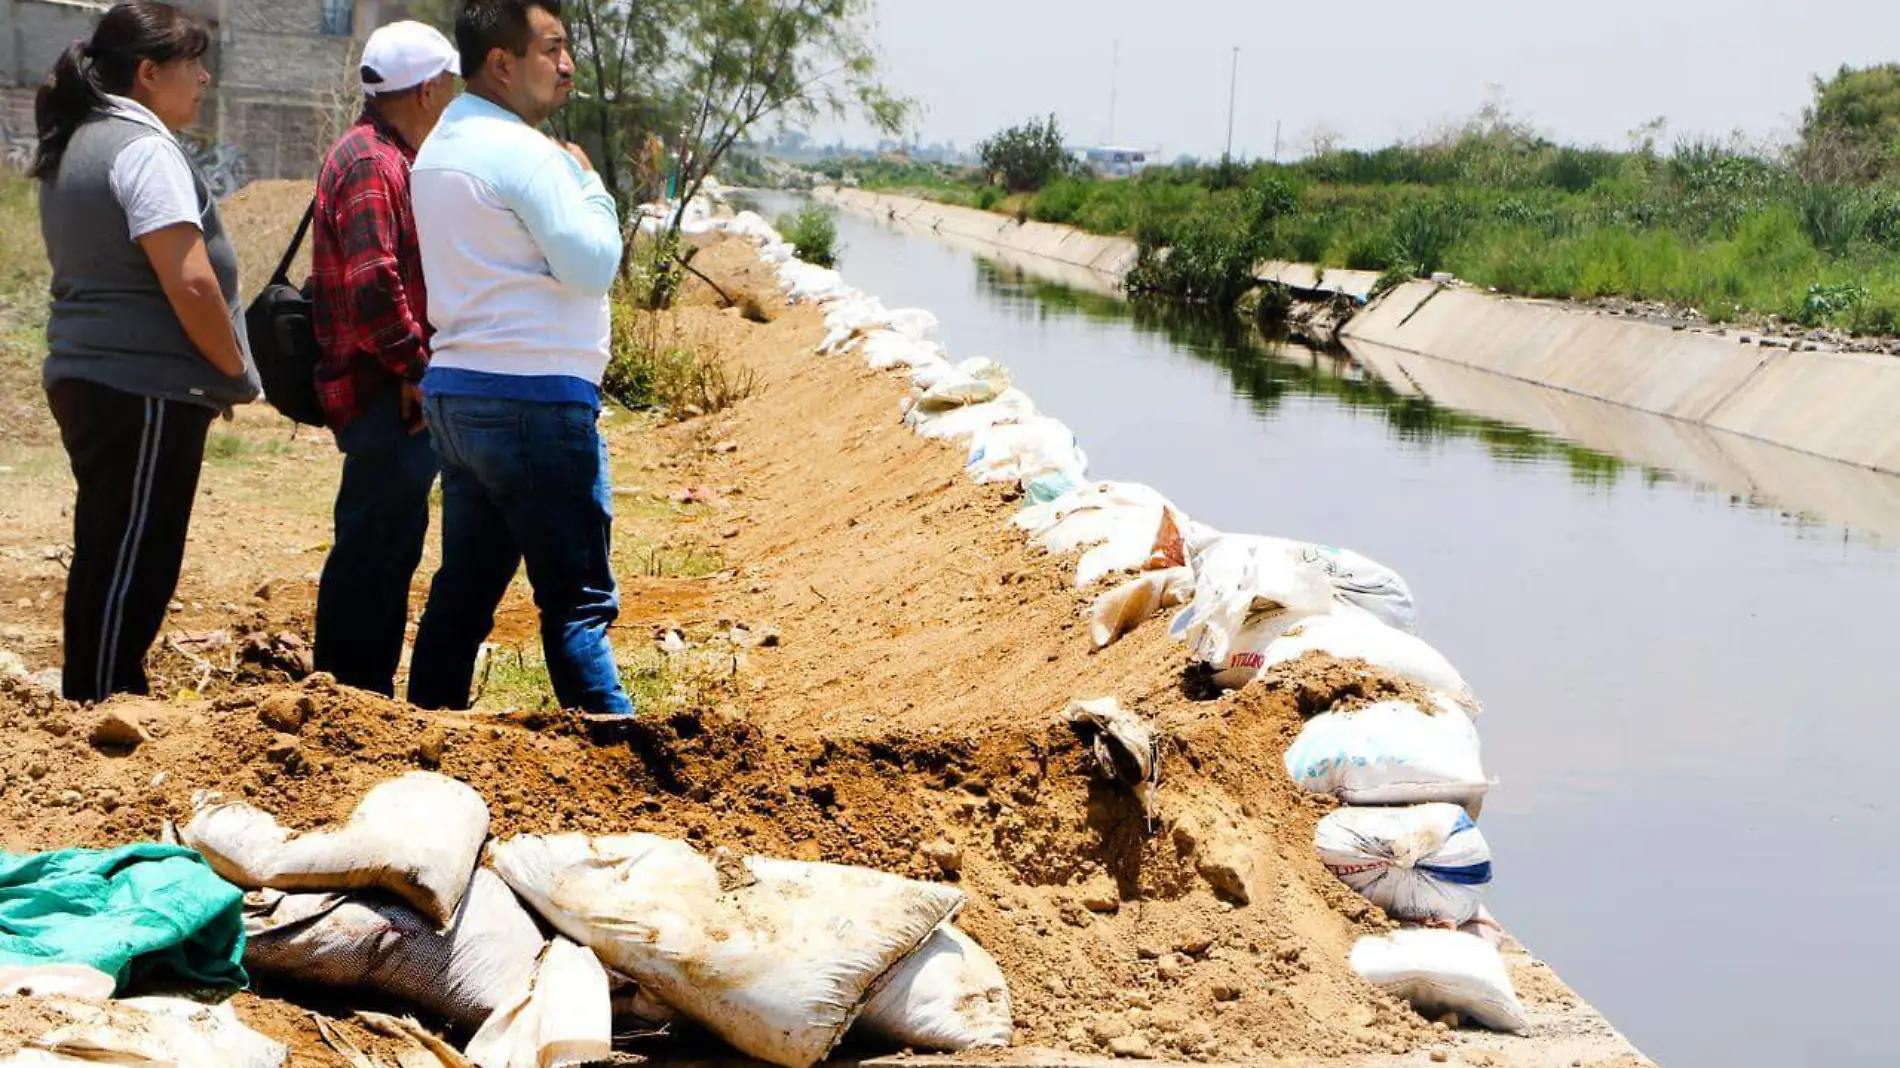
x: 482, y: 26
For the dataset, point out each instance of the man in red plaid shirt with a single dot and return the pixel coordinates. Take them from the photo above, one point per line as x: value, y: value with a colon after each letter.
x: 370, y: 317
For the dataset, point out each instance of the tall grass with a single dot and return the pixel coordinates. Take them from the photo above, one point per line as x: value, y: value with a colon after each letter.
x: 1704, y: 224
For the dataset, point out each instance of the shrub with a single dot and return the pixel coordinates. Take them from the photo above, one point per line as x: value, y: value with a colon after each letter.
x: 988, y: 197
x: 1060, y: 200
x: 813, y: 234
x: 1026, y: 157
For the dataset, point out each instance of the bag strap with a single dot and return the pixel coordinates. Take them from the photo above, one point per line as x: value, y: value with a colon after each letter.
x: 282, y: 277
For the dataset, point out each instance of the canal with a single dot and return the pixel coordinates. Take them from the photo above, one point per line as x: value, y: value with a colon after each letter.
x: 1688, y: 694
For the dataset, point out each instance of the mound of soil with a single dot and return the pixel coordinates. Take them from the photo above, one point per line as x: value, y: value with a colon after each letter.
x: 907, y: 717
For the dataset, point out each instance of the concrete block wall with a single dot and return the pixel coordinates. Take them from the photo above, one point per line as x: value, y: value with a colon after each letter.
x: 40, y: 31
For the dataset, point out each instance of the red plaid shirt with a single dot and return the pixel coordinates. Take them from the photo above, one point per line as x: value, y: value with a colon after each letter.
x: 371, y: 309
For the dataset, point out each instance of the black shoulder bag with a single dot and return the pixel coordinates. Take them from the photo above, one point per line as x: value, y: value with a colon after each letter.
x: 284, y: 339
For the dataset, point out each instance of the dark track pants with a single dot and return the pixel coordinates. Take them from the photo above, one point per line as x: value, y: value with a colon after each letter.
x: 136, y: 460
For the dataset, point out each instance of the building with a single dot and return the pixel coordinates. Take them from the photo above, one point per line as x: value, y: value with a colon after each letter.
x: 284, y: 73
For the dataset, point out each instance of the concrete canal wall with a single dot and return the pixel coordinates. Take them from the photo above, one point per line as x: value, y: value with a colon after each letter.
x: 1837, y: 406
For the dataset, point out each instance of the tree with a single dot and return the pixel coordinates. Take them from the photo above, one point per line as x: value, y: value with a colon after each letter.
x: 738, y: 63
x: 1026, y: 157
x: 1852, y: 130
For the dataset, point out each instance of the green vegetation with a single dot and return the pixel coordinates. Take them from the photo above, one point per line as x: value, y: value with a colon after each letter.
x: 652, y: 365
x: 1026, y: 157
x: 1809, y: 235
x: 24, y: 274
x: 813, y: 233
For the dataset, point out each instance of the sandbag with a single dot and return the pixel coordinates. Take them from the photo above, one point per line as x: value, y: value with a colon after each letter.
x: 558, y: 1013
x: 47, y: 980
x: 1351, y: 634
x: 926, y: 375
x: 1367, y: 585
x: 1423, y: 864
x: 417, y: 837
x: 947, y: 996
x: 1088, y: 495
x: 1122, y: 609
x: 1024, y: 450
x: 961, y: 424
x: 148, y: 1033
x: 885, y: 349
x: 963, y: 389
x: 1440, y: 972
x: 1245, y: 584
x: 350, y: 942
x: 775, y: 957
x: 1391, y: 753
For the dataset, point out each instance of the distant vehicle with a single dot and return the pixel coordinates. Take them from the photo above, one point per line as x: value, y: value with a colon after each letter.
x: 1111, y: 161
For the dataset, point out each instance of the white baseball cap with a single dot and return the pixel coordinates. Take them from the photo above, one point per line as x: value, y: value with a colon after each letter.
x: 403, y: 55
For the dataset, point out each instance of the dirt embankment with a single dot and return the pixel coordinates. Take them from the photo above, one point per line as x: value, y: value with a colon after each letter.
x: 906, y: 717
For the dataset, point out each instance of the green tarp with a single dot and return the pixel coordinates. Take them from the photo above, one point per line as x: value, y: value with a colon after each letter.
x: 144, y: 910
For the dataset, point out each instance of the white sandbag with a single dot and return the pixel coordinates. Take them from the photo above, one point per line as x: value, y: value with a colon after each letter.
x: 1024, y: 450
x: 948, y: 996
x: 349, y: 942
x: 1440, y: 972
x: 148, y: 1033
x: 1245, y: 584
x: 557, y: 1014
x: 884, y: 350
x: 1423, y: 863
x: 417, y: 837
x: 965, y: 388
x: 1364, y: 583
x: 1391, y: 753
x: 1126, y: 607
x: 56, y: 980
x: 1351, y: 634
x: 1037, y: 519
x: 962, y: 424
x: 775, y: 957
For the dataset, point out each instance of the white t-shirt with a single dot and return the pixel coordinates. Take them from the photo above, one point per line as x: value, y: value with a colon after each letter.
x: 151, y: 178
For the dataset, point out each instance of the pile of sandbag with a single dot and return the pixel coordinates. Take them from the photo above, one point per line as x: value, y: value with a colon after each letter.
x: 1410, y: 770
x: 779, y: 958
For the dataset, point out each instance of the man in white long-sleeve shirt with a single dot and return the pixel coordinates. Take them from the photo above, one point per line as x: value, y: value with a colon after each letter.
x: 520, y: 244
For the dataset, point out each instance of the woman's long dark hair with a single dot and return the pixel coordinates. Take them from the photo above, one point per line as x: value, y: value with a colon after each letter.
x: 108, y: 63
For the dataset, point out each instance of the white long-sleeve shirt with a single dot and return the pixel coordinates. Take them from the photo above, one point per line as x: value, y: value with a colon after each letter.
x: 520, y: 246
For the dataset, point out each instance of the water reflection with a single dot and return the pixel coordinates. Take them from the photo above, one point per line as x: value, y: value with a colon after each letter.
x: 1265, y: 370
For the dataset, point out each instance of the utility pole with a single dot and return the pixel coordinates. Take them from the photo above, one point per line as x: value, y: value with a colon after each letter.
x: 1276, y: 140
x: 1233, y: 84
x: 1114, y: 87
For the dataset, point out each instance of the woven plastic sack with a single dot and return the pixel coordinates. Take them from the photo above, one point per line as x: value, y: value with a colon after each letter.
x: 417, y: 837
x: 947, y: 996
x: 775, y: 957
x: 1423, y: 863
x: 1391, y: 753
x: 1440, y: 972
x: 557, y: 1014
x: 349, y: 942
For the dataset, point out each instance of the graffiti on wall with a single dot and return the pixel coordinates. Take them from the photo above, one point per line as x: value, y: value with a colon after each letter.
x: 222, y: 165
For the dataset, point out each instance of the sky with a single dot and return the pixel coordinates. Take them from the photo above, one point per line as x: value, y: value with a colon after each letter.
x: 1371, y: 72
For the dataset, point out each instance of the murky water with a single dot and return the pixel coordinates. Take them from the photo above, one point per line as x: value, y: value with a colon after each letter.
x: 1689, y: 700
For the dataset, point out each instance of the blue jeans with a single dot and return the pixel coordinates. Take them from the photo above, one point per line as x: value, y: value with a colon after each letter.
x: 521, y: 480
x: 382, y: 519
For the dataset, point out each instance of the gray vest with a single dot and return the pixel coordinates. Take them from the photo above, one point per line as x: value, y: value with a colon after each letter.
x: 111, y: 322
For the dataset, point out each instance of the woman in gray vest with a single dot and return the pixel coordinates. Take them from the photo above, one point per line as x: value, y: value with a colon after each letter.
x: 146, y: 340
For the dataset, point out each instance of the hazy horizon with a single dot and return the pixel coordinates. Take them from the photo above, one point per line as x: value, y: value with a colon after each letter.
x: 1391, y: 71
